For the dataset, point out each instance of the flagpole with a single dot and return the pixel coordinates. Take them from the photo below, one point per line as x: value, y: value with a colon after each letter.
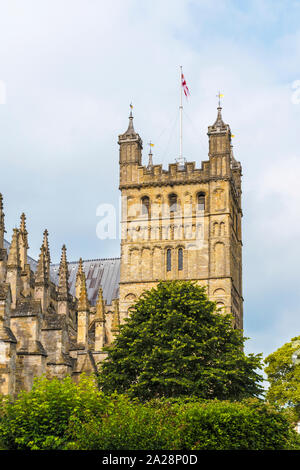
x: 180, y: 119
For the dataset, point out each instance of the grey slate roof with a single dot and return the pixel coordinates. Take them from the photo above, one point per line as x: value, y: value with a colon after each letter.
x: 99, y: 272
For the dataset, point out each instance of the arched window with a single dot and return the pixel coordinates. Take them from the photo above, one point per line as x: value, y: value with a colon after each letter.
x: 145, y: 205
x: 180, y: 259
x: 169, y: 259
x: 201, y: 201
x: 173, y: 202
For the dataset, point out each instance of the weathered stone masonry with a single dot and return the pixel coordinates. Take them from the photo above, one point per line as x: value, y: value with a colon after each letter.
x: 180, y: 223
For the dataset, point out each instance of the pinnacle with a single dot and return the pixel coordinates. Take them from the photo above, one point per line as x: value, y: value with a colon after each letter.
x: 80, y: 268
x: 23, y: 222
x: 63, y: 258
x: 41, y: 270
x: 14, y: 254
x: 23, y: 231
x: 130, y: 129
x: 1, y: 210
x: 47, y: 252
x: 2, y: 226
x: 99, y: 307
x: 219, y: 121
x: 45, y: 240
x: 63, y: 274
x: 83, y: 304
x: 150, y: 160
x: 219, y: 125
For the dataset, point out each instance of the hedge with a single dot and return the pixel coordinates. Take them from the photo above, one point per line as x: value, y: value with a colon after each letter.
x: 62, y: 415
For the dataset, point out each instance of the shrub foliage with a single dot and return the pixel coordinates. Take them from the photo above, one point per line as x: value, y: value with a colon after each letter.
x: 61, y: 415
x: 40, y: 419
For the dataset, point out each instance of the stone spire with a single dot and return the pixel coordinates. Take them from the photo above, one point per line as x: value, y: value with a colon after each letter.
x: 14, y: 251
x: 26, y: 274
x: 219, y: 126
x: 99, y: 322
x: 47, y: 253
x: 83, y: 314
x: 219, y: 123
x: 83, y: 303
x: 3, y: 252
x: 100, y: 307
x: 41, y: 270
x: 78, y: 279
x: 2, y: 226
x: 63, y: 276
x: 13, y: 276
x: 23, y: 241
x: 150, y: 157
x: 130, y: 130
x: 41, y: 290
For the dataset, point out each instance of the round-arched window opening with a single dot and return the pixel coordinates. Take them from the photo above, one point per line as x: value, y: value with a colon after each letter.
x: 180, y: 259
x: 201, y: 201
x: 145, y: 205
x: 173, y: 202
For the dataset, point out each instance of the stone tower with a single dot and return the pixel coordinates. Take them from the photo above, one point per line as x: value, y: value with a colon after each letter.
x: 182, y: 223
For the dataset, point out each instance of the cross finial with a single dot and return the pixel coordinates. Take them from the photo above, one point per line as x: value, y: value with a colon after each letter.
x: 150, y: 162
x: 219, y: 96
x: 150, y: 147
x: 131, y: 108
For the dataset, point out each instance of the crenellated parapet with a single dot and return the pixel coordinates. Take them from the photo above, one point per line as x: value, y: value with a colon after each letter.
x: 175, y: 175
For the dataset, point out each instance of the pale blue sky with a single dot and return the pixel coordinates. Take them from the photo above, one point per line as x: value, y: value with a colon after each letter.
x: 71, y: 69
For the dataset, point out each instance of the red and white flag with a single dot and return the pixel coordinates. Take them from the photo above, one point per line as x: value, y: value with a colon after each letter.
x: 184, y: 86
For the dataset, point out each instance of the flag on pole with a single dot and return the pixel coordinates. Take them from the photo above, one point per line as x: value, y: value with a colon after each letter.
x: 184, y: 86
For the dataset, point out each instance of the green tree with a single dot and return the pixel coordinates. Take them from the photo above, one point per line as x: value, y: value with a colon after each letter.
x: 176, y: 343
x: 283, y: 371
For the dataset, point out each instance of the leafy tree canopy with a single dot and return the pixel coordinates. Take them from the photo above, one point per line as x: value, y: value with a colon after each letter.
x: 283, y: 371
x: 176, y: 343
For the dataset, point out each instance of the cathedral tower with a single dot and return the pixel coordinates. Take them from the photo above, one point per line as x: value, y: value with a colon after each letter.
x: 182, y: 223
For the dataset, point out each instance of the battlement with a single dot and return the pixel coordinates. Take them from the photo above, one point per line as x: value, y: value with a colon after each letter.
x: 175, y: 174
x: 155, y: 175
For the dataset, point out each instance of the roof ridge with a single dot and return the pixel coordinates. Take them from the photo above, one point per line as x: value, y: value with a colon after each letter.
x: 88, y: 260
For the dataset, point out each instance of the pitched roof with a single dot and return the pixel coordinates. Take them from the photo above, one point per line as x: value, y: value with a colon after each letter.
x: 103, y: 273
